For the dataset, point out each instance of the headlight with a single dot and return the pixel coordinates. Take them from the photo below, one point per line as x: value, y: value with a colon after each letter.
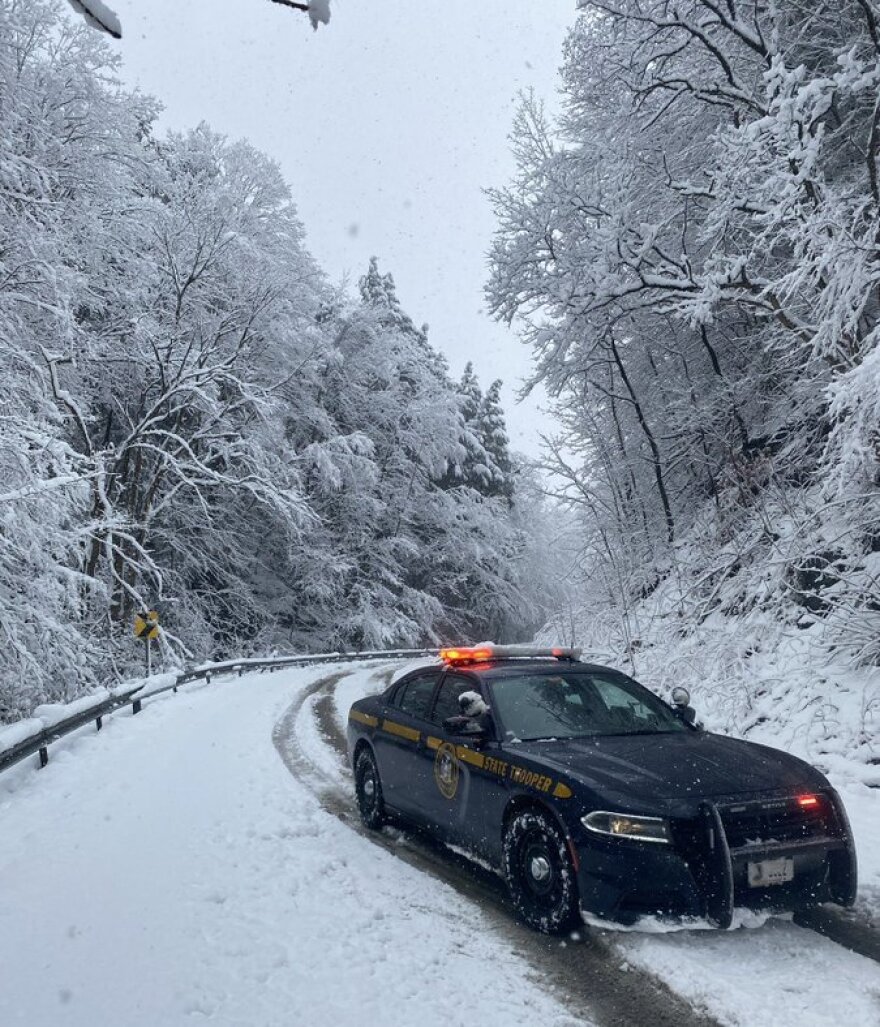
x: 625, y: 825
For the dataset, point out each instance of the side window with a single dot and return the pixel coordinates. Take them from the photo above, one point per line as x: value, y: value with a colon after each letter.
x: 414, y: 696
x: 447, y: 697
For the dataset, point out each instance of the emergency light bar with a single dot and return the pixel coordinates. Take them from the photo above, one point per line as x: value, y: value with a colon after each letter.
x: 486, y: 651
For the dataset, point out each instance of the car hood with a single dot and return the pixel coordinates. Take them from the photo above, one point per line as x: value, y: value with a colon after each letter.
x: 672, y: 772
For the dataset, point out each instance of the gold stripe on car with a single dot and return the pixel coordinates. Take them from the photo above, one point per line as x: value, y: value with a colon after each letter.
x: 401, y: 730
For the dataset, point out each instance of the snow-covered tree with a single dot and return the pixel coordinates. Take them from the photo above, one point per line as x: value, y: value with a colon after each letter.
x: 192, y: 419
x: 691, y: 250
x: 492, y: 431
x: 56, y: 196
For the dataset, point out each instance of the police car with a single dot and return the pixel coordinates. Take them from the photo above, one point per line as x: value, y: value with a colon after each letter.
x: 592, y: 795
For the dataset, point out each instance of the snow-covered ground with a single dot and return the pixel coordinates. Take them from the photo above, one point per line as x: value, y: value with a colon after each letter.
x: 170, y: 870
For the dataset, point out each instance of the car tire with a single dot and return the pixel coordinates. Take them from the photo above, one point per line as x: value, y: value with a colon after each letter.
x: 368, y: 790
x: 539, y: 873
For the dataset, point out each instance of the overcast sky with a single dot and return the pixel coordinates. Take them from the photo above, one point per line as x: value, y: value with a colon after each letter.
x: 388, y: 123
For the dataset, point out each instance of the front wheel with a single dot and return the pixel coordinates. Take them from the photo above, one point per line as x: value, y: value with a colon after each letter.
x: 368, y: 789
x: 539, y: 873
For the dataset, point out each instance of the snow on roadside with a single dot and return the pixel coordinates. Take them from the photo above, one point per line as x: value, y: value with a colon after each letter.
x: 778, y: 975
x: 169, y: 870
x: 49, y: 715
x: 20, y: 731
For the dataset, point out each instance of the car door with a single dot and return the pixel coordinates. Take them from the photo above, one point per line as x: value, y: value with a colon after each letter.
x: 469, y: 790
x: 399, y: 740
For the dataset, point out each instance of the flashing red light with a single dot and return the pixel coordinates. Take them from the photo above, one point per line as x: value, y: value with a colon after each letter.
x: 807, y: 801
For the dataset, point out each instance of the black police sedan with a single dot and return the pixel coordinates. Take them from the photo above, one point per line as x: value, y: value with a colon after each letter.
x: 592, y: 794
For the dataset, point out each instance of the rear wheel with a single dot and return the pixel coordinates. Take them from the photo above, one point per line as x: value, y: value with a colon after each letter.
x: 368, y: 789
x: 539, y: 872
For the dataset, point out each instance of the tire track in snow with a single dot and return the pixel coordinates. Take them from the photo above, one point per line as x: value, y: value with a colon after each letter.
x: 845, y: 928
x: 587, y: 974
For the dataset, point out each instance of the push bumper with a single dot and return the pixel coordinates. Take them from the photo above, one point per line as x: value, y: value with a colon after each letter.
x: 705, y: 873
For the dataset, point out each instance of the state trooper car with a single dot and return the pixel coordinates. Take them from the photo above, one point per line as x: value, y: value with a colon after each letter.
x: 594, y: 796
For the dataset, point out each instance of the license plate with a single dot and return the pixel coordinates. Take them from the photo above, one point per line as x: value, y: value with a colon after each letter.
x: 770, y: 871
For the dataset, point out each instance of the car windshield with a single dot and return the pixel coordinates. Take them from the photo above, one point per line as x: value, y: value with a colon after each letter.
x: 577, y: 705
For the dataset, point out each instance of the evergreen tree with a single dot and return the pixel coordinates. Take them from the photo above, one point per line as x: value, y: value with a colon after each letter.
x: 492, y: 432
x: 471, y: 394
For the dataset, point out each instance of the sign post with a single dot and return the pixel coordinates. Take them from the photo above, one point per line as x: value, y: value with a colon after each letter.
x: 146, y: 627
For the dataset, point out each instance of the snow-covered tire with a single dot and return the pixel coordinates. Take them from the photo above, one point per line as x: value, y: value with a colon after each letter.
x: 368, y: 790
x: 539, y: 872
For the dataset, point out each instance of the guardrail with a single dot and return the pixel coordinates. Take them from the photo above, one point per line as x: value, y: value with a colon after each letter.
x: 37, y: 744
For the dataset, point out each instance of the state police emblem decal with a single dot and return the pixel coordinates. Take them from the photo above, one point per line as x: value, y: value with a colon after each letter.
x: 446, y: 770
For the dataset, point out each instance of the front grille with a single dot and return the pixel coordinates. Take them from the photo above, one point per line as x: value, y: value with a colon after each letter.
x: 757, y: 824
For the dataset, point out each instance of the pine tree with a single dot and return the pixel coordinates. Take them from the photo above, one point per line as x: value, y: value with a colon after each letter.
x: 471, y: 393
x: 379, y: 293
x: 492, y: 432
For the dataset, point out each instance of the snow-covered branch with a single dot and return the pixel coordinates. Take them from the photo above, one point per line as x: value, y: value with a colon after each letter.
x: 99, y: 16
x: 102, y: 17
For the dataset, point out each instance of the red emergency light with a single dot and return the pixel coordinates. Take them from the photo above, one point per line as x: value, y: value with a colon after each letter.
x: 807, y: 801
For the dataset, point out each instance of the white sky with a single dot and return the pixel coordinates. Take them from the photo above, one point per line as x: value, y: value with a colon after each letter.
x: 387, y: 124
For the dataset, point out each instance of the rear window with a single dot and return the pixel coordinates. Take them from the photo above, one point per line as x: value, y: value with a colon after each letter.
x: 414, y: 696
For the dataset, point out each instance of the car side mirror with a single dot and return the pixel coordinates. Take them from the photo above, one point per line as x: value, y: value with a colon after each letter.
x: 465, y: 727
x: 681, y: 699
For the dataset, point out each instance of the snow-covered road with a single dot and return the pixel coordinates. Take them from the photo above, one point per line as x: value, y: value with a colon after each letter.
x: 170, y: 870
